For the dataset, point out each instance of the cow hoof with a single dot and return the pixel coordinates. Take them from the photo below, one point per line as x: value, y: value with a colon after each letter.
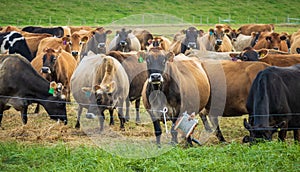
x: 122, y: 129
x: 246, y: 139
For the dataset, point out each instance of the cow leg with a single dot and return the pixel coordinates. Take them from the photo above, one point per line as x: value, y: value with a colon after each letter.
x: 203, y: 115
x: 127, y: 118
x: 1, y: 115
x: 24, y: 114
x: 78, y: 117
x: 157, y: 131
x: 101, y: 120
x: 296, y: 135
x: 37, y: 108
x: 137, y: 110
x: 174, y: 133
x: 282, y: 135
x: 111, y: 113
x: 121, y: 117
x: 215, y: 124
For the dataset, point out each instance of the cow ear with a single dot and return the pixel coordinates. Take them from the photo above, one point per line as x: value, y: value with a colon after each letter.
x: 279, y: 126
x: 262, y: 52
x: 108, y: 32
x: 84, y: 39
x: 87, y: 91
x: 129, y: 31
x: 211, y: 31
x: 141, y: 56
x: 226, y: 30
x: 45, y: 49
x: 170, y: 56
x: 234, y: 55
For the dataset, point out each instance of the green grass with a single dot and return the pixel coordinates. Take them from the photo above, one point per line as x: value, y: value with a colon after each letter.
x: 96, y: 12
x: 272, y: 156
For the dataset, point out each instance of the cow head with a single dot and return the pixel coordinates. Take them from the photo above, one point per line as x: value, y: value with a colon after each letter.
x: 49, y: 59
x: 191, y: 35
x: 55, y: 105
x: 156, y: 60
x: 102, y: 94
x: 261, y: 132
x: 101, y: 40
x: 216, y: 35
x: 75, y: 44
x: 123, y: 41
x: 232, y: 34
x: 249, y: 54
x: 271, y: 40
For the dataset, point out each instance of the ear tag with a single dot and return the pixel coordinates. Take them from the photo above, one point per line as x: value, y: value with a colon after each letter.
x: 262, y: 55
x: 51, y: 91
x: 210, y: 33
x: 64, y: 42
x: 278, y: 129
x: 87, y: 94
x: 141, y: 59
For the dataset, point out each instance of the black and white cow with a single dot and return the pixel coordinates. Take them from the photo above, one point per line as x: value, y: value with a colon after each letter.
x: 21, y: 85
x: 14, y: 42
x: 273, y: 104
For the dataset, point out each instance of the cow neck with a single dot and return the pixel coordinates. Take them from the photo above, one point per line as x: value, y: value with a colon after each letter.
x: 40, y: 88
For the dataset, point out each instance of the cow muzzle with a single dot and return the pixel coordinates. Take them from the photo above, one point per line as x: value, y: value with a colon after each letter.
x: 192, y: 45
x: 74, y: 53
x: 123, y: 43
x: 219, y: 42
x: 90, y: 116
x: 101, y: 45
x: 46, y: 70
x: 155, y: 78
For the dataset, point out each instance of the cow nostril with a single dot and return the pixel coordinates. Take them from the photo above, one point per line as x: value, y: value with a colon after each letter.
x: 74, y: 53
x: 276, y: 48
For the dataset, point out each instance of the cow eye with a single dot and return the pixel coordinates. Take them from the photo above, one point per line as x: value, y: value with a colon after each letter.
x: 70, y: 43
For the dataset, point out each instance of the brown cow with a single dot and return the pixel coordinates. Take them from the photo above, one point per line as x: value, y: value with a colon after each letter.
x: 272, y: 40
x: 33, y: 40
x: 78, y: 28
x: 54, y: 43
x: 10, y: 28
x: 295, y: 42
x: 267, y: 56
x: 216, y: 40
x: 160, y: 41
x: 137, y: 75
x: 56, y: 65
x: 143, y: 36
x: 247, y: 29
x: 173, y: 83
x: 230, y: 83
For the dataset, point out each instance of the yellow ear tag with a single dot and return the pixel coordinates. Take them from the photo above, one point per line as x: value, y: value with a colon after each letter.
x: 262, y: 55
x: 278, y: 129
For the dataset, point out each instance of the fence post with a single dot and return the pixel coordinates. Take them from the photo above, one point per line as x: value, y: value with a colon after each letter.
x: 200, y: 19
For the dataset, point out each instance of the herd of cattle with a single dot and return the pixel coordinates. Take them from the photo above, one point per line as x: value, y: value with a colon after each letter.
x: 196, y: 71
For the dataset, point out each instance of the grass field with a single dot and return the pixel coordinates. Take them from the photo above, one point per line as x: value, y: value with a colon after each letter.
x: 96, y: 12
x: 43, y: 145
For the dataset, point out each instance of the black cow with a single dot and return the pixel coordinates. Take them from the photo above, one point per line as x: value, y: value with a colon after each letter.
x: 98, y: 43
x: 21, y: 85
x: 14, y: 42
x: 124, y: 41
x: 191, y: 39
x: 55, y: 31
x: 273, y: 103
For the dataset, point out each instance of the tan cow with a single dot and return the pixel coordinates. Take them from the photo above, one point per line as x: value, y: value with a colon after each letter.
x: 230, y: 83
x: 267, y: 56
x: 159, y: 41
x: 247, y: 29
x: 216, y: 40
x: 272, y: 40
x: 295, y: 42
x: 56, y: 65
x: 54, y: 43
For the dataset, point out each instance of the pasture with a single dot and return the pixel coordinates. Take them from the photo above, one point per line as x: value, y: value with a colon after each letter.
x: 44, y: 145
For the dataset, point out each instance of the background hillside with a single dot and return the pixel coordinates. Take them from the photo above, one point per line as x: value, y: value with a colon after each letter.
x: 99, y: 12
